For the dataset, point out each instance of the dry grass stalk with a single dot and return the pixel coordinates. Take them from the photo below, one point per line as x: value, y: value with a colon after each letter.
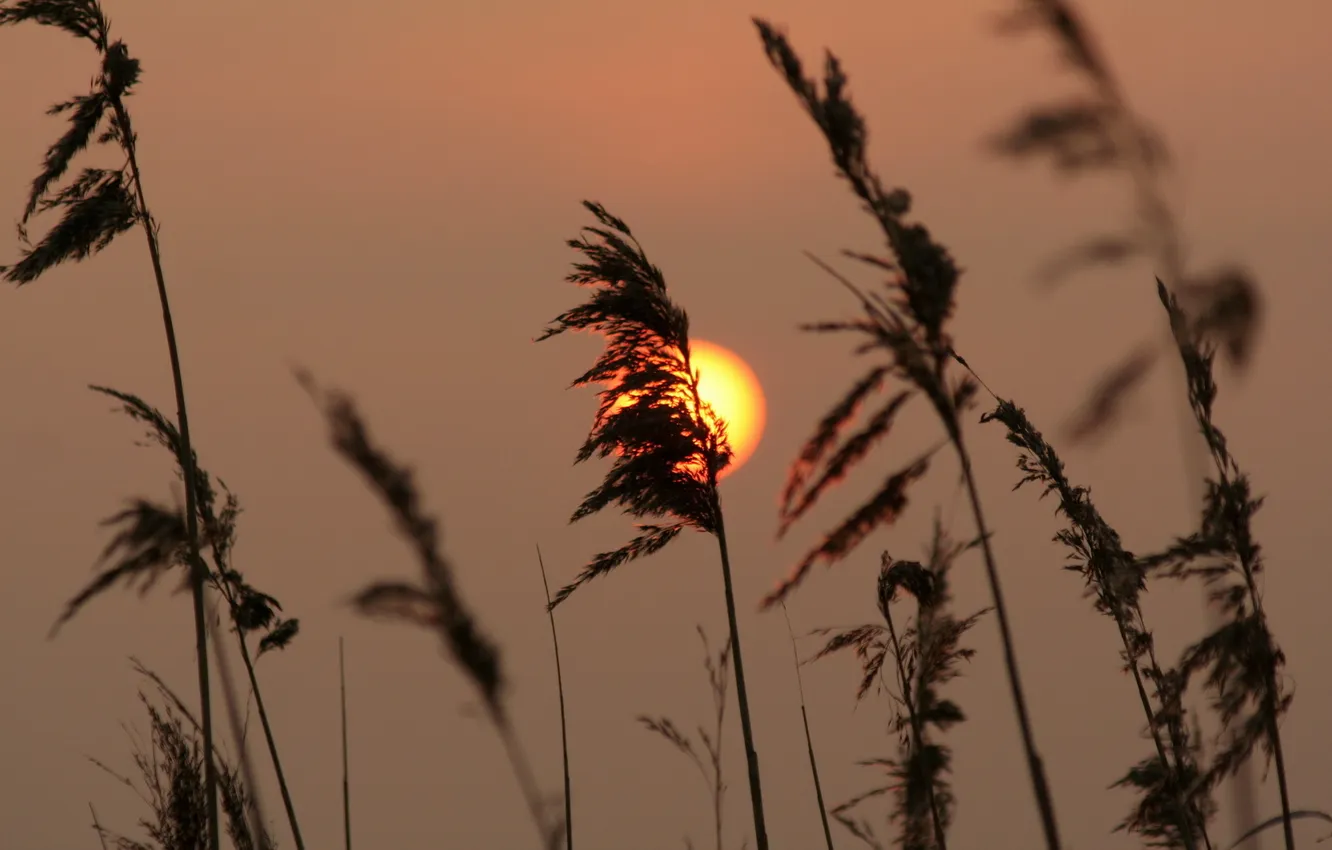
x: 669, y: 446
x: 95, y: 208
x: 909, y: 328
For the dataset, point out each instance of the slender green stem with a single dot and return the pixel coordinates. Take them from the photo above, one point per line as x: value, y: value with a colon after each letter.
x: 1040, y: 786
x: 741, y: 692
x: 564, y: 726
x: 198, y: 571
x: 809, y: 740
x: 346, y: 785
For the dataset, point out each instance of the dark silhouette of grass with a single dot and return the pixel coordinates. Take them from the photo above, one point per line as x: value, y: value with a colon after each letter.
x: 1096, y: 131
x: 153, y: 539
x: 670, y: 447
x: 809, y: 739
x: 1174, y: 808
x: 171, y: 784
x: 435, y: 603
x: 95, y: 208
x: 564, y: 723
x: 909, y: 328
x: 707, y: 756
x: 926, y: 655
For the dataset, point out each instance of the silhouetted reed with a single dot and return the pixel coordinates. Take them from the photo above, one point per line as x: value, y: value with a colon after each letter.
x: 1173, y: 808
x: 171, y: 784
x: 564, y: 722
x: 809, y: 739
x: 1239, y: 660
x: 669, y: 446
x: 95, y: 208
x: 435, y: 603
x: 926, y: 655
x: 908, y: 327
x: 153, y: 538
x: 709, y: 760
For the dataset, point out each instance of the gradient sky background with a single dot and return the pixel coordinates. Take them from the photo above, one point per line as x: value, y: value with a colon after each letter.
x: 381, y: 193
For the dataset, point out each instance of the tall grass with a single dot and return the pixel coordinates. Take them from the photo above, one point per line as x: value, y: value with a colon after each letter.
x: 909, y: 328
x: 435, y: 603
x: 95, y: 208
x: 669, y: 446
x: 707, y: 754
x: 668, y: 449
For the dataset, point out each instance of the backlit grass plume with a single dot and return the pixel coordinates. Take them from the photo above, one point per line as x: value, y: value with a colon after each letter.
x: 94, y: 208
x: 669, y: 446
x: 925, y: 656
x: 435, y: 603
x: 908, y: 329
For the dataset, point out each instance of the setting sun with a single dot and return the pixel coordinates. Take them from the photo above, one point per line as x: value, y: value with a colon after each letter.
x: 730, y: 388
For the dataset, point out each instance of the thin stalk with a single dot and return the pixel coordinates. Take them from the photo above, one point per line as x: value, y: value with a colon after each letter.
x: 272, y: 744
x: 1169, y: 249
x: 1185, y: 814
x: 741, y: 693
x: 1273, y: 730
x: 198, y: 572
x: 258, y: 832
x: 564, y: 727
x: 809, y: 741
x: 917, y: 738
x: 1040, y: 786
x: 101, y: 835
x: 346, y: 786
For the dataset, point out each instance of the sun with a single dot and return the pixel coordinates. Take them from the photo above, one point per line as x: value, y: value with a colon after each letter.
x: 728, y: 386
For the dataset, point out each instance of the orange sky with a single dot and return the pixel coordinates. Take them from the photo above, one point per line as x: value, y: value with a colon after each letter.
x: 383, y: 197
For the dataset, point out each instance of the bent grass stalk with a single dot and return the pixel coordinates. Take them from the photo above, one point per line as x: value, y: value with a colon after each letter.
x: 669, y: 445
x: 564, y: 723
x: 910, y: 328
x: 97, y: 207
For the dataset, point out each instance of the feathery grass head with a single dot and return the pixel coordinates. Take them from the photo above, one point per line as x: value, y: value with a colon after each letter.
x: 153, y: 538
x: 908, y: 326
x: 926, y: 656
x: 1240, y: 662
x: 669, y: 446
x: 436, y: 602
x: 98, y: 204
x: 170, y: 766
x: 1097, y: 131
x: 1172, y: 808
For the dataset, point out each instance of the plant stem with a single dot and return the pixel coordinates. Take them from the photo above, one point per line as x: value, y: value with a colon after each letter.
x: 198, y: 571
x: 741, y: 693
x: 1185, y: 813
x: 809, y: 741
x: 346, y: 785
x: 272, y: 744
x: 564, y: 728
x: 1040, y: 786
x: 917, y: 734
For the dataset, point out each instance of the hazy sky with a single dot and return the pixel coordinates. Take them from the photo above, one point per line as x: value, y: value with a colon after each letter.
x: 380, y: 192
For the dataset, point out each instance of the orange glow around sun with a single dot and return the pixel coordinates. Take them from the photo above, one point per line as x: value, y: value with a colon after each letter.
x: 730, y: 388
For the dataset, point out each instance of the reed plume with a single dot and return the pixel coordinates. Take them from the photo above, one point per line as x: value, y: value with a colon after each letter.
x: 669, y: 445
